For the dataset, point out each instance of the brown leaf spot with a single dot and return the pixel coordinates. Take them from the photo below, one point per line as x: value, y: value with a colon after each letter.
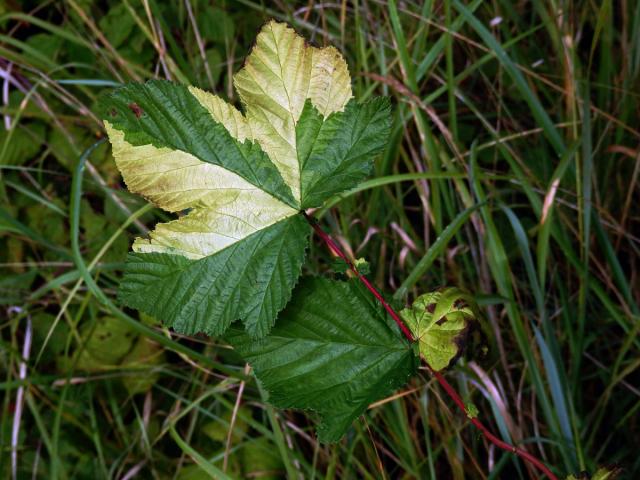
x: 441, y: 321
x: 113, y: 112
x: 135, y: 108
x: 431, y: 308
x: 462, y: 339
x: 460, y: 303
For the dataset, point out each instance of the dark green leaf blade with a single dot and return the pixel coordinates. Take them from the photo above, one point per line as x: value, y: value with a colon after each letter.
x: 333, y: 351
x: 250, y: 280
x: 338, y: 152
x: 165, y: 114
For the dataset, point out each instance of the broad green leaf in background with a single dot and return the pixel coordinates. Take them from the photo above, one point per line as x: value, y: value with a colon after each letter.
x: 105, y: 344
x: 442, y: 322
x: 334, y: 350
x: 218, y: 430
x: 145, y: 357
x: 241, y: 178
x: 19, y: 145
x: 260, y: 459
x: 108, y: 344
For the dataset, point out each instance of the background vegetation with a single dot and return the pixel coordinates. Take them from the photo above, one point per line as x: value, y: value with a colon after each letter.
x: 515, y: 142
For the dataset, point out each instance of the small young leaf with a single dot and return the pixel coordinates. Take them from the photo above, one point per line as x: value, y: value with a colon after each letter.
x: 603, y: 473
x: 242, y: 178
x: 334, y: 350
x: 471, y: 410
x: 339, y: 265
x: 363, y: 266
x: 442, y: 322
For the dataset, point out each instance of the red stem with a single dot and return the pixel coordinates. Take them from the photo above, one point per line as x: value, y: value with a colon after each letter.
x: 336, y: 249
x: 333, y: 246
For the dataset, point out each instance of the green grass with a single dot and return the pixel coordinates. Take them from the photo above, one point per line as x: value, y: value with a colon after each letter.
x: 512, y: 172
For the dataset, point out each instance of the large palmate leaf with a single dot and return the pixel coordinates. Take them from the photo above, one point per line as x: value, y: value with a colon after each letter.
x: 241, y: 180
x: 334, y: 350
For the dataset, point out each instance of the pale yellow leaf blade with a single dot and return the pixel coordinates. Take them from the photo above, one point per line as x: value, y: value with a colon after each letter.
x: 330, y: 83
x: 224, y: 113
x: 225, y: 207
x: 279, y: 75
x: 203, y: 232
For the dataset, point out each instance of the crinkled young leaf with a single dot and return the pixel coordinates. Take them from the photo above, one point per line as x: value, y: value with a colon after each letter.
x: 242, y: 179
x: 334, y: 350
x: 603, y: 473
x: 442, y: 322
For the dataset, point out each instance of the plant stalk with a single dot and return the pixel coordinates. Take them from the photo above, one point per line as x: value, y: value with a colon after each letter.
x: 526, y: 456
x: 333, y: 246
